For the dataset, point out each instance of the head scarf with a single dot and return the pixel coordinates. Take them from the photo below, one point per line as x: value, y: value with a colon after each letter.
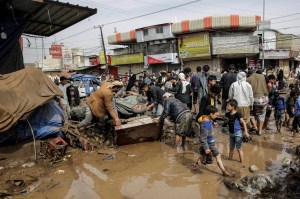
x: 181, y: 76
x: 241, y: 77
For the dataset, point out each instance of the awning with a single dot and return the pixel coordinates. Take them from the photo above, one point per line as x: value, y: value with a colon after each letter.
x: 45, y: 17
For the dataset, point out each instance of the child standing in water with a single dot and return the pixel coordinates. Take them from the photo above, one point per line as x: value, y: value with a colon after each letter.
x: 280, y: 110
x: 207, y: 139
x: 235, y: 121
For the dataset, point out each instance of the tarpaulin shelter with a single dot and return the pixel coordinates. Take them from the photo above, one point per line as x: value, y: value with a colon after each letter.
x: 42, y: 18
x: 21, y: 92
x: 46, y: 121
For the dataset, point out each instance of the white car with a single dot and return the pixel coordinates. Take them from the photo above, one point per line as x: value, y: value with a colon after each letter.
x: 81, y: 88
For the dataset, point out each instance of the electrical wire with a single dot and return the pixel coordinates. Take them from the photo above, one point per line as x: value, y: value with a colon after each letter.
x: 284, y: 16
x: 151, y: 13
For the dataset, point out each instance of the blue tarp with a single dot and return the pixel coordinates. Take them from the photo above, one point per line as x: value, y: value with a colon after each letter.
x: 45, y: 121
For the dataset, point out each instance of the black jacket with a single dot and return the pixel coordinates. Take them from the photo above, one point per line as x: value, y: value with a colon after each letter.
x: 159, y: 81
x: 155, y: 94
x: 183, y: 97
x: 76, y: 93
x: 205, y: 102
x: 226, y: 81
x: 173, y: 108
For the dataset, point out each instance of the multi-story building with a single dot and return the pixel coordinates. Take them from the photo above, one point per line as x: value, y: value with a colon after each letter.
x: 215, y: 40
x: 155, y: 48
x: 64, y: 58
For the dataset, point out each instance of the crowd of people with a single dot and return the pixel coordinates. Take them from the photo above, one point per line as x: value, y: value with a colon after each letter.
x: 244, y: 100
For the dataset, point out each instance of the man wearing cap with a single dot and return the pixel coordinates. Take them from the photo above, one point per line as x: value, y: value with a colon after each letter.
x: 162, y: 79
x: 100, y: 103
x: 180, y: 114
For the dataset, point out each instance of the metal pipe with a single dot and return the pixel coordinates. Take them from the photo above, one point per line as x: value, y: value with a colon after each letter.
x: 103, y: 45
x: 33, y: 137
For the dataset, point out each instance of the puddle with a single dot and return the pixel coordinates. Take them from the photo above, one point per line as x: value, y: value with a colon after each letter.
x: 95, y: 171
x: 82, y: 187
x: 156, y: 171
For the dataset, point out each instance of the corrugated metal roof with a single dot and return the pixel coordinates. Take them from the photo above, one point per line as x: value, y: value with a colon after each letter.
x: 47, y: 17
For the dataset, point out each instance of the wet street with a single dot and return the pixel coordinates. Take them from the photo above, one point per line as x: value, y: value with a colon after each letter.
x: 147, y: 170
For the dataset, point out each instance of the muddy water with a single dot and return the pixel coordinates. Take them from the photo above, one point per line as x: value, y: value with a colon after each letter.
x: 150, y: 170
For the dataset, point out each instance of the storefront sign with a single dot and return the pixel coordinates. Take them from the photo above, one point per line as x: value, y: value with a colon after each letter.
x: 279, y: 54
x: 264, y: 25
x: 194, y: 46
x: 101, y: 58
x: 56, y: 51
x: 276, y: 54
x: 93, y: 61
x: 235, y: 45
x: 127, y: 59
x: 67, y: 56
x: 161, y: 58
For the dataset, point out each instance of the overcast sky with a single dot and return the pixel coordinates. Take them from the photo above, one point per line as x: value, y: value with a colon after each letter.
x: 114, y: 10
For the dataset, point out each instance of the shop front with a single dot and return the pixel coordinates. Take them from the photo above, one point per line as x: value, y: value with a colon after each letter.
x: 242, y: 51
x: 158, y: 62
x: 280, y: 59
x: 125, y: 63
x: 194, y: 50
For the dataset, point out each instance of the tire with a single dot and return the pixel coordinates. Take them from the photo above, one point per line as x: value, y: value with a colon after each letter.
x: 139, y: 111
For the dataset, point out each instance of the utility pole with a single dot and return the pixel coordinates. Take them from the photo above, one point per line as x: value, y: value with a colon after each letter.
x: 103, y: 46
x: 263, y: 38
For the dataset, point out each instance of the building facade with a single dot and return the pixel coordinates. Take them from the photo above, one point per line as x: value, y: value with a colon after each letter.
x: 217, y: 41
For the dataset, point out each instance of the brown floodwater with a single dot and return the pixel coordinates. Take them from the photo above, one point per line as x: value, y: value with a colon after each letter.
x: 147, y: 170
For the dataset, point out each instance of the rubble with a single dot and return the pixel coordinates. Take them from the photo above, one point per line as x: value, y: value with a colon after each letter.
x: 286, y: 162
x: 254, y: 185
x: 253, y: 168
x: 29, y: 164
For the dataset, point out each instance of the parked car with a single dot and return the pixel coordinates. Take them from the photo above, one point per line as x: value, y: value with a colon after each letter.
x: 84, y: 84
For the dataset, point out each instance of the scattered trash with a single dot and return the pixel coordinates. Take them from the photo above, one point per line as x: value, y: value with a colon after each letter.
x: 53, y: 149
x: 19, y: 186
x: 29, y: 164
x: 60, y: 172
x: 254, y: 185
x: 109, y: 157
x: 31, y: 187
x: 253, y: 168
x: 132, y: 155
x: 286, y: 162
x: 230, y: 185
x: 18, y: 183
x: 105, y: 170
x: 1, y: 168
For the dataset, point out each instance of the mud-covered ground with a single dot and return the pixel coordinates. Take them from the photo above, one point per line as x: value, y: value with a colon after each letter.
x: 145, y: 170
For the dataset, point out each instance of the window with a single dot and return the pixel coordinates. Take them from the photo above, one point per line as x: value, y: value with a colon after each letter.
x: 145, y: 32
x: 159, y: 30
